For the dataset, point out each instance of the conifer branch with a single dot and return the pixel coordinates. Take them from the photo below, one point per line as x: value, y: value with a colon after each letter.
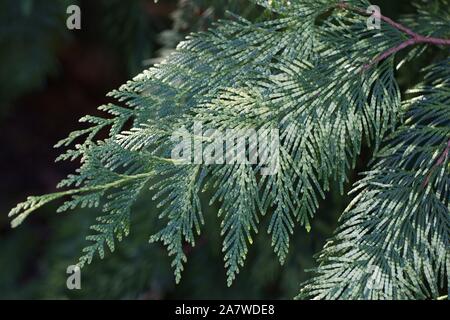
x: 392, y: 241
x: 291, y: 76
x: 415, y: 37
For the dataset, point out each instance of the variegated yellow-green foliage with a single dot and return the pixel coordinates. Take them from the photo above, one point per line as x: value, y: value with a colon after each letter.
x: 306, y: 71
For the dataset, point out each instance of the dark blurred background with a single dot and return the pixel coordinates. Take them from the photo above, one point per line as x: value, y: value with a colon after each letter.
x: 50, y: 77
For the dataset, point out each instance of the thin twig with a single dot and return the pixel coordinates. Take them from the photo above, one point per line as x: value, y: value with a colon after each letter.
x: 438, y: 163
x: 415, y: 37
x: 443, y: 155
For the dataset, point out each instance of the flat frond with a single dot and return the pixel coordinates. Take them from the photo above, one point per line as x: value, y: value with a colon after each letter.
x: 393, y: 239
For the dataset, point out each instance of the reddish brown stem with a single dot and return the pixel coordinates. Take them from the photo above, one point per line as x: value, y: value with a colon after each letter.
x: 415, y: 37
x: 438, y: 163
x: 444, y: 155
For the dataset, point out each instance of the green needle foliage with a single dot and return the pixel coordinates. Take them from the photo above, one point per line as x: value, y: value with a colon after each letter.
x: 308, y: 72
x: 393, y: 240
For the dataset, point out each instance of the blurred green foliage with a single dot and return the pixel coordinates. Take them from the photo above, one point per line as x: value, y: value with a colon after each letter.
x: 31, y: 32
